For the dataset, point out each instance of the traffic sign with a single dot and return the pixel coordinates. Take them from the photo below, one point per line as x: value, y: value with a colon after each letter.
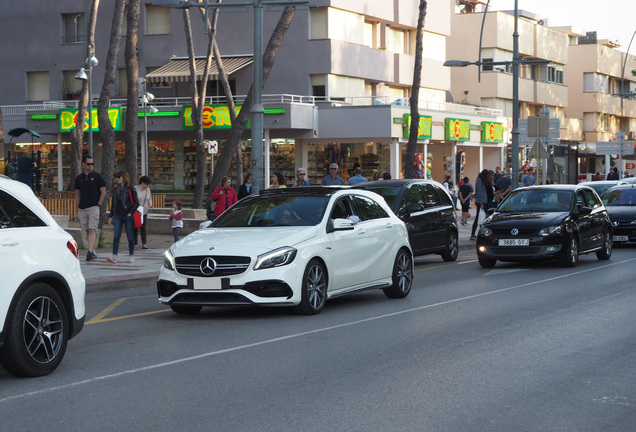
x: 615, y: 148
x: 212, y: 146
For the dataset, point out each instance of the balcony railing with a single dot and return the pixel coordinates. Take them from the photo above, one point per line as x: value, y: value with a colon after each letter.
x: 17, y: 110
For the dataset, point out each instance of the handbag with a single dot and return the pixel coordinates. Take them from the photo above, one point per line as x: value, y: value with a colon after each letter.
x: 136, y: 215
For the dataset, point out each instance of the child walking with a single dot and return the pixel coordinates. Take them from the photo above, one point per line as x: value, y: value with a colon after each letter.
x: 177, y: 219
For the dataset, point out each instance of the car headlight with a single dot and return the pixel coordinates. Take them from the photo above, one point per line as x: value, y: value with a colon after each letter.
x: 555, y: 229
x: 168, y: 260
x: 485, y: 231
x: 276, y: 258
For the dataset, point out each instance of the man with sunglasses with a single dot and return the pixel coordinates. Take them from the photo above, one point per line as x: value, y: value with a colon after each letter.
x: 332, y: 178
x: 90, y: 191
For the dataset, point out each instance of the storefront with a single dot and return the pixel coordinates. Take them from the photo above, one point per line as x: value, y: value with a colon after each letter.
x: 298, y: 135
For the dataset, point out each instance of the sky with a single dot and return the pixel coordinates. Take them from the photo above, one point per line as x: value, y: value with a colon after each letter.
x: 611, y: 19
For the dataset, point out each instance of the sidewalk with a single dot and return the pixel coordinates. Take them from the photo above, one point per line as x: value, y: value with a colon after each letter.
x: 102, y: 276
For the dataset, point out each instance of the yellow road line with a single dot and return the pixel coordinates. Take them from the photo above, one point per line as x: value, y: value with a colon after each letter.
x: 99, y: 317
x: 93, y: 321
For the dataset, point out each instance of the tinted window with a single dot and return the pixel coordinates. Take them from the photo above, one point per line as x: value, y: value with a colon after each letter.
x: 537, y: 200
x: 389, y: 194
x: 413, y: 195
x: 443, y: 197
x: 341, y: 209
x: 369, y: 209
x: 13, y: 214
x: 620, y: 197
x: 430, y: 195
x: 580, y: 200
x: 592, y: 201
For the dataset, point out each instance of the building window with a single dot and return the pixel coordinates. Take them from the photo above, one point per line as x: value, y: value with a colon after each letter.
x: 73, y: 28
x: 595, y: 83
x: 603, y: 122
x: 157, y: 20
x: 38, y: 86
x: 555, y: 74
x: 486, y: 67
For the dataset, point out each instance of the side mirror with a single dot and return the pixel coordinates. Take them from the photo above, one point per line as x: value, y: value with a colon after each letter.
x: 339, y: 225
x: 585, y: 210
x: 414, y: 208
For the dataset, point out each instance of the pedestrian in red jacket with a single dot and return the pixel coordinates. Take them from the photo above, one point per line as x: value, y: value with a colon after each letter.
x: 224, y: 196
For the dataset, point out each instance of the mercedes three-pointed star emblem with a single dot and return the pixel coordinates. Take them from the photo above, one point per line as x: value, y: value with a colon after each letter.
x: 207, y: 266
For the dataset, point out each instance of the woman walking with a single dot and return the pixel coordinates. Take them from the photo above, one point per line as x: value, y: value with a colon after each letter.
x: 123, y: 204
x: 481, y: 198
x: 145, y: 203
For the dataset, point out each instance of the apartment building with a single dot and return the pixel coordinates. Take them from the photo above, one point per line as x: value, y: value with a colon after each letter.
x: 338, y: 91
x: 491, y: 85
x: 601, y: 85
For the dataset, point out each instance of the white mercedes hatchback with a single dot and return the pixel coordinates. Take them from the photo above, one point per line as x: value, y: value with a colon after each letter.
x: 42, y: 295
x: 290, y: 247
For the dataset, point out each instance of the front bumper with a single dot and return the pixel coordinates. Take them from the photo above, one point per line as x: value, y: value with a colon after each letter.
x: 539, y: 248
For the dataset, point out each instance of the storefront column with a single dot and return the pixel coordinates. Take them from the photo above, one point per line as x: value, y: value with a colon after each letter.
x: 395, y: 158
x: 301, y: 157
x: 60, y: 167
x: 266, y: 173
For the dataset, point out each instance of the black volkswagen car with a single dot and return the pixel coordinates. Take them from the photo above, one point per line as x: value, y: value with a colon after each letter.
x: 426, y: 208
x: 620, y: 202
x: 554, y: 222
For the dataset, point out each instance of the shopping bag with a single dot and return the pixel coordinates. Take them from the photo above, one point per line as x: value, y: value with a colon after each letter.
x: 482, y: 216
x: 137, y: 218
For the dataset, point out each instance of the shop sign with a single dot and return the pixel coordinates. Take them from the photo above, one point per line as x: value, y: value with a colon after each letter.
x: 491, y: 132
x: 68, y: 119
x: 424, y: 129
x: 214, y: 117
x: 457, y: 129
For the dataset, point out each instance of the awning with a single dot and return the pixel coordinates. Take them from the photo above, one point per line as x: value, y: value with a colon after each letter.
x: 178, y: 69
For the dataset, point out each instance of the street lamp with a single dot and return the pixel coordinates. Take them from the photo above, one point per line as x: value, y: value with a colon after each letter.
x: 516, y: 61
x: 146, y: 98
x: 91, y: 61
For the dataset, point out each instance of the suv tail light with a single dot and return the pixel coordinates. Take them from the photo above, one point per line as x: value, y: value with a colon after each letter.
x: 72, y: 246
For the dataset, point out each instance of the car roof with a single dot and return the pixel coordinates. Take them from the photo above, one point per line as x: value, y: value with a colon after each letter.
x: 602, y: 182
x: 623, y: 186
x: 562, y: 187
x: 323, y: 191
x: 394, y: 183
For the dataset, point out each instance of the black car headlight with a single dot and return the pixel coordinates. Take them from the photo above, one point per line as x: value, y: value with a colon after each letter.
x: 485, y: 231
x: 168, y: 260
x: 555, y: 229
x: 276, y: 258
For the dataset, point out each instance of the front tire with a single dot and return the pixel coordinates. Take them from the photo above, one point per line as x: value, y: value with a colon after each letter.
x: 606, y: 252
x: 402, y: 276
x: 452, y: 248
x: 37, y: 332
x: 314, y: 289
x: 571, y: 253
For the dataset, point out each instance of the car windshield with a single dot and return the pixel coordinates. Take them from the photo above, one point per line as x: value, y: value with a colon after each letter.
x: 537, y: 200
x: 389, y: 194
x: 274, y: 210
x: 601, y: 188
x: 620, y: 197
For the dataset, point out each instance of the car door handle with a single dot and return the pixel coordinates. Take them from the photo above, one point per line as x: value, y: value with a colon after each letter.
x: 10, y: 243
x: 361, y: 232
x: 388, y: 226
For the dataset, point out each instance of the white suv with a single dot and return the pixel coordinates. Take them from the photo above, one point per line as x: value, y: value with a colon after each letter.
x: 42, y: 294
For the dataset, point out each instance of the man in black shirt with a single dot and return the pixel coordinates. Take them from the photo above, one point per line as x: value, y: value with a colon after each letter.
x: 90, y: 191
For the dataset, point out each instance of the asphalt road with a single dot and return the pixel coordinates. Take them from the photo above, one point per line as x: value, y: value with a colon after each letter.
x: 514, y: 348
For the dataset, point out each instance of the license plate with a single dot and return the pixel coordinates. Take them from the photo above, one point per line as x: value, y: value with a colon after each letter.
x: 620, y: 238
x: 206, y: 283
x: 514, y: 242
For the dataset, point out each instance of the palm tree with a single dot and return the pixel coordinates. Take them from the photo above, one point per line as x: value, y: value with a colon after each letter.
x: 415, y: 94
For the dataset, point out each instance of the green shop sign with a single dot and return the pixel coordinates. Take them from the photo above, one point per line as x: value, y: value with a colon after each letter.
x: 491, y: 132
x: 424, y: 129
x: 68, y: 119
x: 457, y: 129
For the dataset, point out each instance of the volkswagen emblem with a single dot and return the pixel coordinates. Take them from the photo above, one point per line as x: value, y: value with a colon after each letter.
x: 207, y: 266
x: 514, y: 231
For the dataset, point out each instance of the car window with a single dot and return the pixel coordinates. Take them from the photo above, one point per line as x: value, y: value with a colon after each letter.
x: 412, y: 195
x: 580, y: 200
x: 537, y: 200
x: 620, y: 197
x: 278, y: 210
x: 341, y: 209
x: 14, y: 214
x: 369, y: 209
x: 431, y: 196
x: 389, y: 194
x: 443, y: 196
x: 592, y: 200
